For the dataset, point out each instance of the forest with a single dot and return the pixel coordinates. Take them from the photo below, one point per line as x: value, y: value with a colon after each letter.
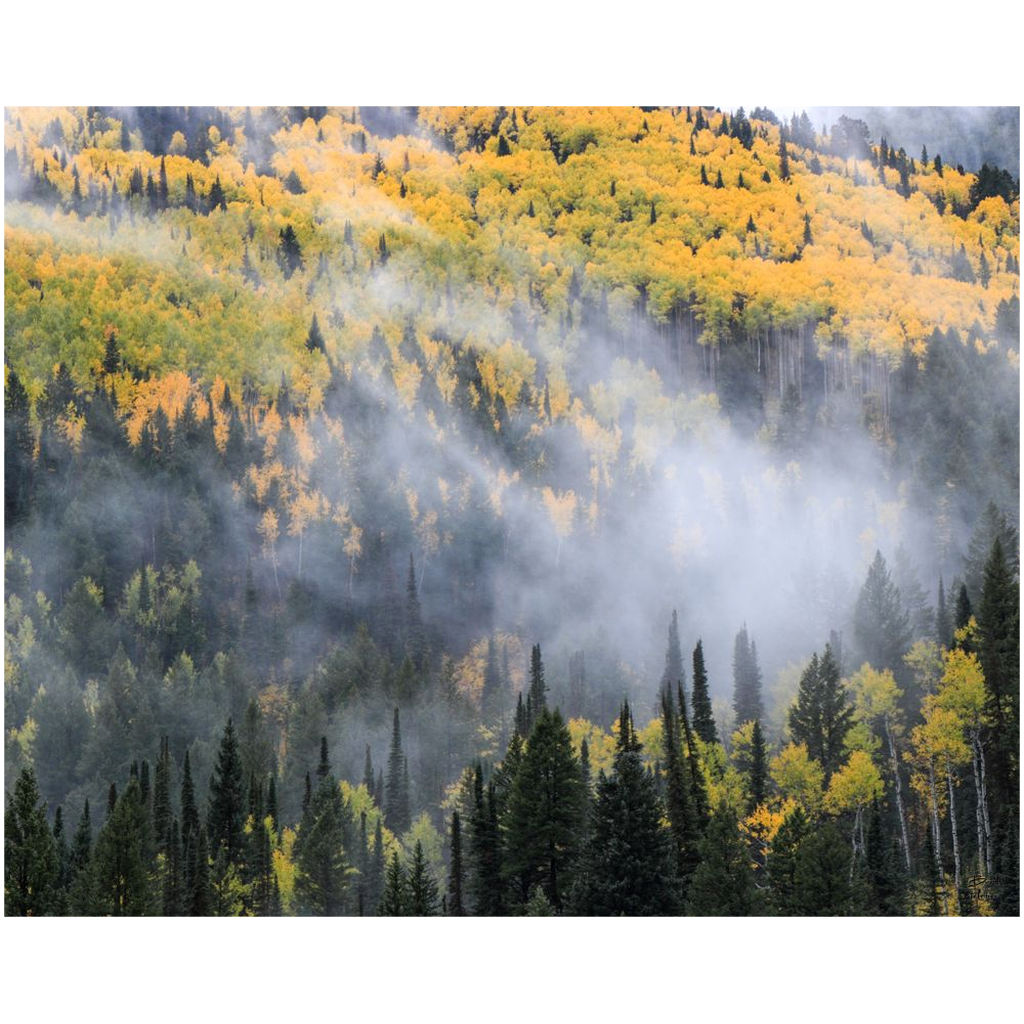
x: 508, y: 511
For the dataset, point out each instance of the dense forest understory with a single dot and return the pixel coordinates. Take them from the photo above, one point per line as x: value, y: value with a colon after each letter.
x: 357, y: 461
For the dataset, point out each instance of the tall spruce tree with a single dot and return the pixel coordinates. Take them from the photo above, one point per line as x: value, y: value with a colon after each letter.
x: 673, y: 674
x: 723, y: 884
x: 225, y: 820
x: 321, y: 865
x: 456, y: 869
x: 627, y: 866
x: 746, y: 674
x: 396, y: 792
x: 703, y: 716
x: 30, y: 855
x: 881, y: 625
x: 423, y: 899
x: 544, y: 812
x: 821, y: 716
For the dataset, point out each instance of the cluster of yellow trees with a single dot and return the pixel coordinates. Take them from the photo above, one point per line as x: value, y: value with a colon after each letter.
x: 536, y: 209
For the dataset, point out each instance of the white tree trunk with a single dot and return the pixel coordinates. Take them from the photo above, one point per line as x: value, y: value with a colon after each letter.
x: 952, y: 825
x: 899, y: 792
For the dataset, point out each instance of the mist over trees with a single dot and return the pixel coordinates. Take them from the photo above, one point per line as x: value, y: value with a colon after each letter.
x: 507, y: 511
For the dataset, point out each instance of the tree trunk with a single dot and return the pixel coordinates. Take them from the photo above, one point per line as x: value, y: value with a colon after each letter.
x: 956, y: 837
x: 937, y: 836
x: 984, y: 804
x: 899, y: 792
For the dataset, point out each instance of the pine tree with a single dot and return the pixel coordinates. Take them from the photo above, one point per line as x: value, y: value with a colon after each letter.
x: 395, y: 898
x: 682, y: 814
x: 491, y: 697
x: 123, y: 858
x: 315, y: 338
x: 544, y: 811
x: 746, y: 675
x: 703, y: 716
x: 226, y: 816
x: 821, y: 716
x: 199, y: 893
x: 537, y: 700
x: 485, y: 875
x: 627, y: 864
x: 999, y: 654
x: 881, y: 626
x: 822, y: 877
x: 396, y: 794
x: 321, y: 866
x: 757, y: 775
x: 723, y: 884
x: 31, y: 865
x: 422, y: 899
x: 456, y: 872
x: 189, y: 811
x: 673, y: 674
x: 783, y: 894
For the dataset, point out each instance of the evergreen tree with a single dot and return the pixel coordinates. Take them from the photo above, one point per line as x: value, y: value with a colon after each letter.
x: 485, y: 876
x: 723, y: 884
x: 225, y: 820
x: 422, y: 893
x: 881, y: 626
x: 123, y: 858
x: 703, y: 716
x: 395, y: 898
x: 821, y: 716
x: 746, y: 674
x: 537, y: 700
x: 784, y: 897
x: 544, y: 811
x: 456, y: 872
x: 321, y: 867
x: 682, y: 814
x: 199, y: 892
x: 999, y: 654
x: 757, y: 774
x: 824, y: 884
x: 31, y: 867
x: 627, y: 864
x: 315, y: 338
x: 673, y: 674
x: 396, y: 793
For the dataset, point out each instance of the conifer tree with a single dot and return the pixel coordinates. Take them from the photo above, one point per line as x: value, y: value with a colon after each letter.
x: 396, y: 794
x: 457, y: 871
x: 422, y: 895
x: 123, y: 858
x: 627, y: 864
x: 703, y: 716
x: 199, y: 893
x: 485, y: 875
x: 544, y: 811
x: 723, y: 884
x: 395, y: 898
x: 999, y: 654
x: 226, y: 816
x: 822, y: 716
x: 682, y: 814
x: 673, y: 674
x: 31, y: 866
x: 746, y: 673
x: 881, y: 626
x: 321, y: 866
x: 757, y: 775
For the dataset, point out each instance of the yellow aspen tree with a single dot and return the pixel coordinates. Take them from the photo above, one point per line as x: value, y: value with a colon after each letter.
x: 876, y: 700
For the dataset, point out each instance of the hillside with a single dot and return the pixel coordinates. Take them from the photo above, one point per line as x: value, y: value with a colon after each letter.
x: 328, y: 420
